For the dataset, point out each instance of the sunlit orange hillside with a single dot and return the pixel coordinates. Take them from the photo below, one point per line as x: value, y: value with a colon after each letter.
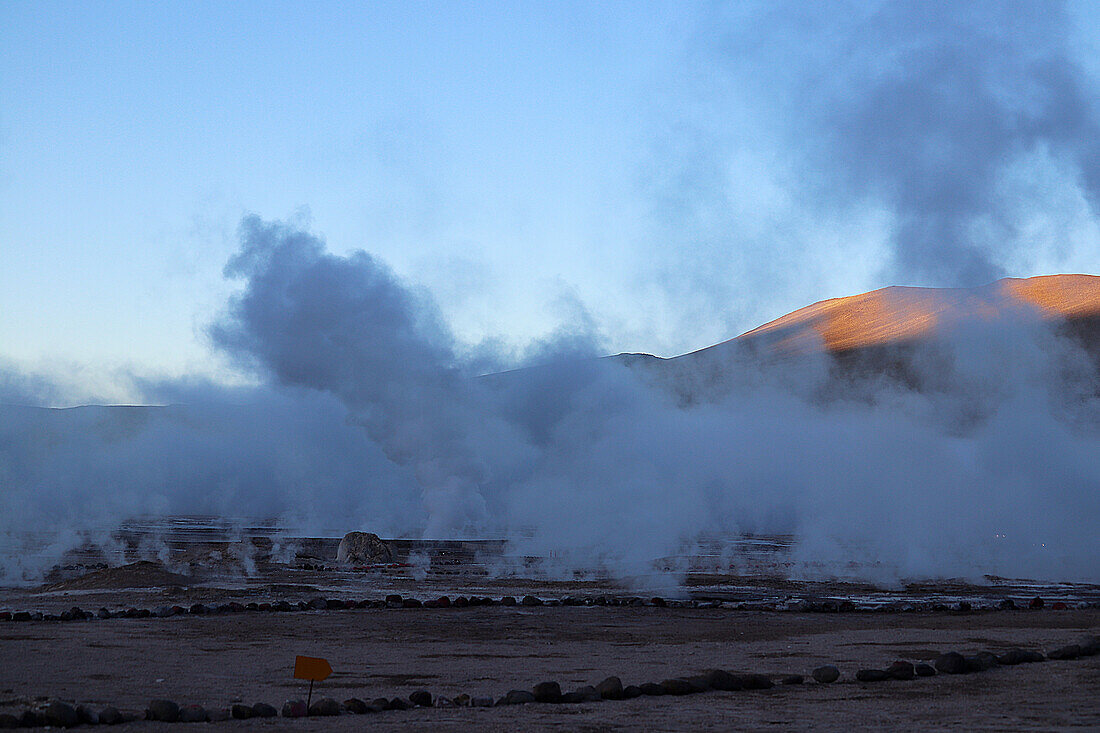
x: 898, y: 314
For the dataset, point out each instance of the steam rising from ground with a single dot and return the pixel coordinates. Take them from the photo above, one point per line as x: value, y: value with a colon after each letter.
x: 370, y: 420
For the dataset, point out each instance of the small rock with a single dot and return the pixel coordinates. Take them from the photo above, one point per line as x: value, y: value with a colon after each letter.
x: 263, y: 710
x: 951, y: 663
x: 1071, y: 651
x: 678, y: 686
x: 110, y: 716
x: 240, y: 711
x: 826, y: 674
x: 421, y: 699
x: 652, y: 689
x: 87, y: 715
x: 61, y: 715
x: 872, y: 675
x: 924, y: 670
x: 794, y: 679
x: 631, y: 691
x: 163, y: 710
x: 611, y: 689
x: 901, y: 670
x: 326, y: 706
x: 518, y: 697
x: 295, y: 709
x: 356, y: 706
x: 720, y: 679
x: 756, y: 682
x: 547, y: 692
x: 192, y: 714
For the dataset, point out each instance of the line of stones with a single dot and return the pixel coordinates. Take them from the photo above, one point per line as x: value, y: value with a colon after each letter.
x: 61, y: 714
x: 397, y: 601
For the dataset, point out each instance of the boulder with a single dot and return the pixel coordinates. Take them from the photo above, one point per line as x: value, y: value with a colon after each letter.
x: 826, y: 674
x: 9, y: 721
x: 421, y: 699
x: 481, y: 702
x: 951, y: 663
x: 872, y: 675
x: 652, y: 689
x: 678, y: 686
x: 461, y: 700
x: 295, y: 709
x: 631, y: 691
x: 399, y: 704
x: 87, y: 715
x: 363, y: 548
x: 518, y: 697
x: 756, y: 682
x: 192, y: 714
x: 1071, y: 651
x: 720, y: 679
x: 380, y: 704
x: 325, y: 706
x: 61, y: 715
x: 531, y: 601
x: 924, y: 670
x: 901, y: 670
x: 217, y: 715
x: 240, y: 711
x: 110, y: 716
x: 611, y: 689
x: 981, y: 661
x: 165, y: 711
x: 356, y: 706
x: 263, y: 710
x: 792, y: 679
x: 547, y: 692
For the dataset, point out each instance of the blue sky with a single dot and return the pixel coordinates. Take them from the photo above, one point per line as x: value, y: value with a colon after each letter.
x: 679, y: 172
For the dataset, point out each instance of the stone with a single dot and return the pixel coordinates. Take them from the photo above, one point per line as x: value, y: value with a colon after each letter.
x: 61, y: 715
x: 364, y: 548
x: 317, y: 604
x: 611, y: 689
x: 295, y: 709
x: 461, y: 700
x: 1007, y: 604
x: 652, y: 689
x: 586, y: 694
x: 631, y: 691
x: 110, y: 716
x: 951, y: 663
x: 547, y: 692
x: 412, y: 603
x: 356, y: 706
x: 518, y: 697
x: 399, y: 704
x: 1058, y: 606
x: 826, y: 674
x: 87, y: 715
x: 481, y: 702
x: 924, y: 670
x: 393, y: 600
x: 793, y: 679
x: 165, y: 711
x: 756, y: 682
x: 8, y: 721
x: 1036, y: 602
x: 217, y: 715
x: 421, y: 699
x: 380, y: 704
x: 678, y: 686
x: 326, y: 706
x: 1090, y: 646
x: 263, y: 710
x: 981, y: 661
x: 335, y: 604
x: 720, y: 679
x: 658, y: 602
x: 240, y: 711
x: 31, y: 719
x: 1071, y: 651
x: 872, y: 675
x: 103, y: 613
x: 901, y: 670
x: 1019, y: 656
x: 444, y: 702
x: 192, y: 714
x: 508, y: 601
x: 531, y: 601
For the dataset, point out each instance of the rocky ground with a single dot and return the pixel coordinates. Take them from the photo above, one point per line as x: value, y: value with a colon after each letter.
x: 390, y: 650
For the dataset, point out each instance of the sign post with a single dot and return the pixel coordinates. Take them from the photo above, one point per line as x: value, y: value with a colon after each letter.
x: 313, y: 669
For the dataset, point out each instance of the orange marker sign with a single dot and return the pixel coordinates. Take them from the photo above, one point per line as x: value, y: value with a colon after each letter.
x: 313, y: 669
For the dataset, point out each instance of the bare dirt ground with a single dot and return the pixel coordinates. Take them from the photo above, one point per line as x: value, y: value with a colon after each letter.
x: 215, y: 660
